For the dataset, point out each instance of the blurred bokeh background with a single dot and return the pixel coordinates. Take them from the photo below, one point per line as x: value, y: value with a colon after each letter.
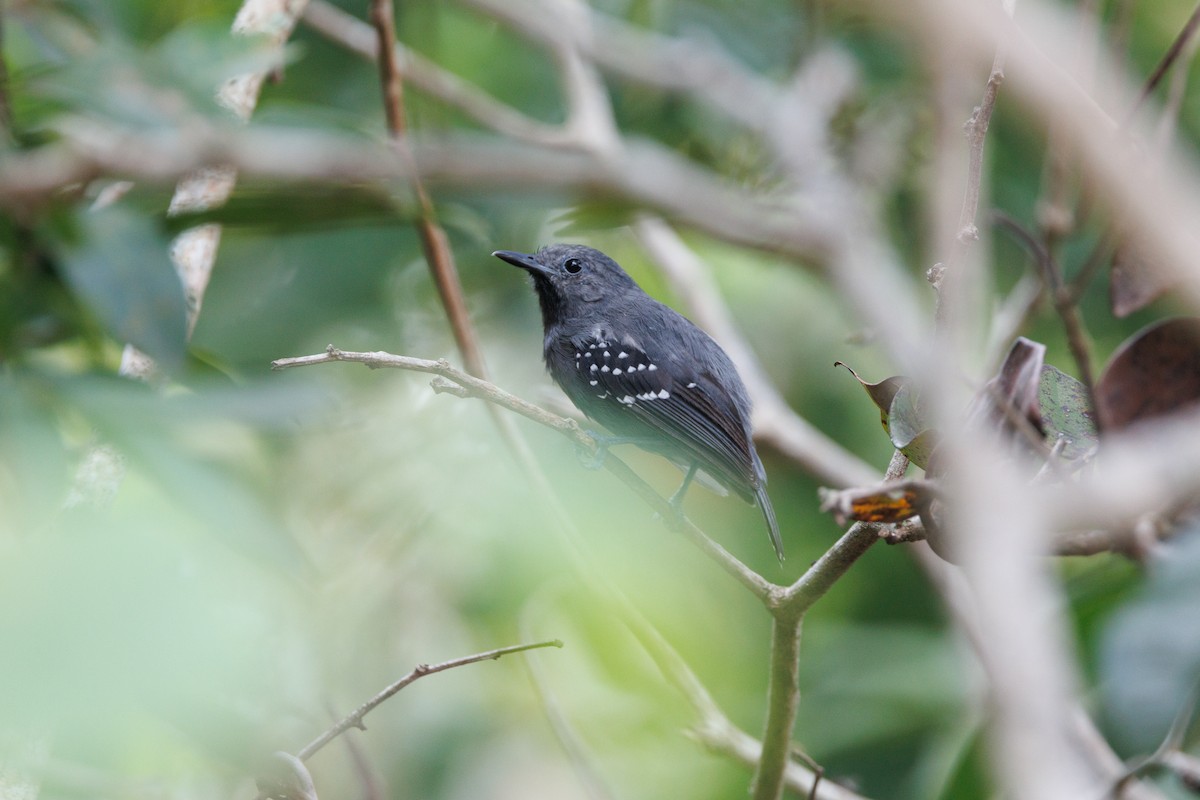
x: 279, y: 546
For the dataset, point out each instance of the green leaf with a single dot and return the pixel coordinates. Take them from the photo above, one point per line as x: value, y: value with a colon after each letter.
x: 1150, y: 657
x: 1066, y: 413
x: 297, y: 209
x: 908, y: 426
x: 120, y: 269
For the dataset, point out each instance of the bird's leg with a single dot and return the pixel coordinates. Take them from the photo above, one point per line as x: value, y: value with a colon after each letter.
x: 604, y: 441
x: 676, y: 501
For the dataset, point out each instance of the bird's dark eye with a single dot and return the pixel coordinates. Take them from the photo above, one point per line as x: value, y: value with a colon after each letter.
x: 572, y: 265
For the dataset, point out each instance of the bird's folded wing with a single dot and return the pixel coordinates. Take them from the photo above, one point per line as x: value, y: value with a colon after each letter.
x: 690, y: 410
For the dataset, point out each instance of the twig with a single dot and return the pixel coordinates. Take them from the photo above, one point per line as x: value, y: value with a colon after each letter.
x: 834, y: 563
x: 1177, y: 89
x: 1168, y: 59
x: 355, y: 718
x: 433, y: 239
x: 485, y: 390
x: 1062, y: 297
x: 976, y: 129
x: 947, y: 278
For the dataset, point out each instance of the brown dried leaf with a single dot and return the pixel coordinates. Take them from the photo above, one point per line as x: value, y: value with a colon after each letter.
x: 886, y: 503
x: 885, y: 506
x: 1154, y: 372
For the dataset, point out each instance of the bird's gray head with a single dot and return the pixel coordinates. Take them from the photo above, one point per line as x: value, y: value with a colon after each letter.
x: 570, y: 277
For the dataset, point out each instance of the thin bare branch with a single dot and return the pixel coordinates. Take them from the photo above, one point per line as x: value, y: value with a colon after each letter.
x: 976, y: 130
x: 1064, y: 302
x: 355, y: 718
x: 1168, y: 60
x: 434, y: 242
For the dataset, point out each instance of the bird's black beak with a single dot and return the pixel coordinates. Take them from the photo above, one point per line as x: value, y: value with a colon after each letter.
x: 522, y: 260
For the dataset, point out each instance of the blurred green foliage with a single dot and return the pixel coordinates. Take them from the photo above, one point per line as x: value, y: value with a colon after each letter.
x: 283, y: 545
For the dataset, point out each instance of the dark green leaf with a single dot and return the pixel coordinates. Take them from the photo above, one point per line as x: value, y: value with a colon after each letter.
x: 292, y: 209
x: 120, y: 269
x: 1150, y: 658
x: 1066, y: 413
x: 909, y: 428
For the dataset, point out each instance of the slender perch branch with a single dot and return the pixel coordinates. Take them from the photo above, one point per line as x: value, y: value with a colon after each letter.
x: 485, y: 390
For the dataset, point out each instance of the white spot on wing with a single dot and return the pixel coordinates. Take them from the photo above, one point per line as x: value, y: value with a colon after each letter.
x: 593, y: 383
x: 664, y: 394
x: 622, y: 354
x: 641, y: 367
x: 604, y: 368
x: 617, y: 371
x: 627, y: 400
x: 691, y: 385
x: 652, y: 367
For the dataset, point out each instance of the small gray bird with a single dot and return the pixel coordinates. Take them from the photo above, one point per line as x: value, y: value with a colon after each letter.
x: 644, y: 372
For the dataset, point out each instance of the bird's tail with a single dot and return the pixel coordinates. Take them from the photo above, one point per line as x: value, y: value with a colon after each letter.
x: 764, y: 502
